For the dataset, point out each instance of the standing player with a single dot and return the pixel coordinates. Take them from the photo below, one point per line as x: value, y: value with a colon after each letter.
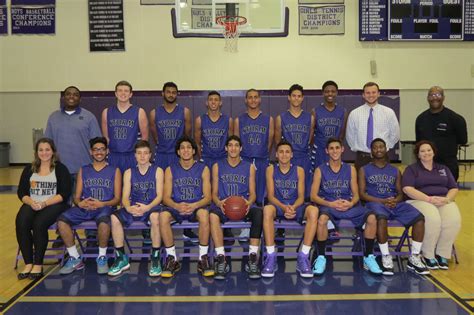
x: 285, y: 187
x: 187, y: 195
x: 141, y: 196
x: 234, y: 177
x: 122, y: 125
x: 335, y: 190
x: 97, y: 192
x: 297, y: 127
x: 380, y: 186
x: 211, y: 130
x: 330, y: 122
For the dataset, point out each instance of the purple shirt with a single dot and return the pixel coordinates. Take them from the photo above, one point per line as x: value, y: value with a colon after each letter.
x: 436, y: 182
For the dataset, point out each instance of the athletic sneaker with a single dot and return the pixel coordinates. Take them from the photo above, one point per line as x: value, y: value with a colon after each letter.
x: 303, y: 266
x: 251, y: 267
x: 431, y: 263
x: 415, y: 263
x: 387, y: 265
x: 244, y: 235
x: 190, y: 236
x: 204, y: 267
x: 221, y: 268
x: 371, y: 265
x: 155, y: 264
x: 269, y: 266
x: 120, y: 264
x: 442, y: 262
x: 102, y: 266
x: 319, y: 265
x: 71, y: 265
x: 172, y: 266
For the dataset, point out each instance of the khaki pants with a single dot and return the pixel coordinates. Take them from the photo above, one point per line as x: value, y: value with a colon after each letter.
x: 442, y: 225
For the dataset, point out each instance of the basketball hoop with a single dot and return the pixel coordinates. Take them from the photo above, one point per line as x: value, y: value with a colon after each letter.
x: 231, y: 30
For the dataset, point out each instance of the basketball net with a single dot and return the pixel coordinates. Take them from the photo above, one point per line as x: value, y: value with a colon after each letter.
x: 231, y: 30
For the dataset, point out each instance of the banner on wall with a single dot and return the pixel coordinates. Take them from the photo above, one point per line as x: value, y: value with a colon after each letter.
x: 321, y: 1
x: 3, y: 17
x: 106, y: 27
x: 321, y: 20
x: 33, y: 16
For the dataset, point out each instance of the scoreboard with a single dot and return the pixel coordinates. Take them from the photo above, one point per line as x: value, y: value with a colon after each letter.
x: 420, y: 20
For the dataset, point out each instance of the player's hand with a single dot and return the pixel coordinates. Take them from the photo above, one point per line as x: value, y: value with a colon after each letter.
x: 346, y: 205
x: 85, y: 204
x: 391, y: 202
x: 248, y: 207
x: 289, y: 215
x: 291, y: 209
x: 222, y: 205
x: 142, y: 208
x: 182, y: 208
x: 338, y: 205
x: 96, y: 204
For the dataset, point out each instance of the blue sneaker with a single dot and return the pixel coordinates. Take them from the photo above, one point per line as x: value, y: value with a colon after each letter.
x: 303, y: 266
x: 442, y: 262
x: 269, y: 266
x: 319, y: 265
x: 120, y: 264
x: 71, y: 265
x: 371, y: 265
x: 431, y: 263
x: 102, y: 266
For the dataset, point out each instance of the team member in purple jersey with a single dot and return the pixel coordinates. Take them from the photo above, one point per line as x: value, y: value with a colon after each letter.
x: 256, y: 131
x: 234, y: 177
x: 297, y: 127
x: 330, y: 122
x: 122, y: 125
x: 335, y: 190
x: 187, y: 195
x: 211, y: 130
x: 380, y: 186
x: 141, y: 197
x: 285, y: 187
x: 98, y: 190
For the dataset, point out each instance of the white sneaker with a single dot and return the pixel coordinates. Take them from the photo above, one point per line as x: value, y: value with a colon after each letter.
x: 244, y: 235
x: 387, y: 265
x: 416, y: 264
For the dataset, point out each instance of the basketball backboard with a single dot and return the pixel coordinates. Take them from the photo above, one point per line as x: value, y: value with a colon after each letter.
x: 197, y: 18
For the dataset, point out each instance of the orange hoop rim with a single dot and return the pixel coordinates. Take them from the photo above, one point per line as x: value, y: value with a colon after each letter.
x: 231, y: 21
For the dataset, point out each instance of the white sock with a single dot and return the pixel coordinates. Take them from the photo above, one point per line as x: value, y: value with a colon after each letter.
x: 305, y: 249
x: 220, y: 251
x: 416, y: 247
x: 102, y: 251
x: 253, y: 249
x: 384, y: 248
x: 72, y: 251
x: 203, y: 250
x: 270, y: 249
x: 171, y: 251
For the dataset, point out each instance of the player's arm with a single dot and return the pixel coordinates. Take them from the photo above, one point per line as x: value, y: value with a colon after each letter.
x: 206, y: 189
x: 271, y: 134
x: 354, y: 188
x: 300, y: 200
x: 363, y: 188
x: 311, y: 131
x: 187, y: 122
x: 197, y: 135
x: 143, y: 124
x: 215, y: 186
x: 168, y: 190
x: 278, y: 132
x: 344, y: 126
x: 236, y: 127
x: 271, y: 187
x: 315, y: 190
x: 78, y: 193
x: 231, y: 126
x: 159, y: 190
x: 252, y: 194
x: 117, y: 191
x: 154, y: 132
x: 398, y: 185
x: 105, y: 130
x: 127, y: 189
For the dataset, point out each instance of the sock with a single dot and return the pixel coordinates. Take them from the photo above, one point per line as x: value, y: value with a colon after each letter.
x: 415, y: 247
x: 171, y: 251
x: 203, y: 249
x: 321, y: 248
x: 369, y: 247
x: 305, y: 249
x: 72, y: 251
x: 253, y: 249
x: 270, y: 249
x: 121, y: 250
x: 220, y: 251
x: 102, y: 251
x: 384, y: 248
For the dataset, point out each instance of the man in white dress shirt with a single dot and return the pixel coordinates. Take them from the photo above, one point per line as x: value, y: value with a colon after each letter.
x: 368, y: 122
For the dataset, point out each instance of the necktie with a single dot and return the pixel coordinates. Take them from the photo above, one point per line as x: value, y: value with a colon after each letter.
x: 370, y: 128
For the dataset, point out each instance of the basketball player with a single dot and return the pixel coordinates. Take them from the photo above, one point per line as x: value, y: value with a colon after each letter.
x: 380, y: 186
x: 122, y: 125
x: 335, y: 190
x: 297, y: 127
x: 97, y: 193
x: 141, y: 196
x: 187, y: 195
x: 285, y: 187
x: 234, y: 177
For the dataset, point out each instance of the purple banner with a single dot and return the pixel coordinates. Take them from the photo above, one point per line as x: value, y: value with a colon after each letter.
x: 3, y: 18
x: 33, y: 16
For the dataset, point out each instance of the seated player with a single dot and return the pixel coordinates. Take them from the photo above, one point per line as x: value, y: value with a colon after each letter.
x: 234, y: 177
x: 335, y: 190
x: 98, y: 189
x: 285, y: 189
x: 141, y: 197
x: 380, y: 186
x: 186, y: 196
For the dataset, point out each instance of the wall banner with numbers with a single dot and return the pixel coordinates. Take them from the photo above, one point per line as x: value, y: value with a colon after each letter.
x: 33, y: 16
x: 3, y: 17
x: 106, y: 27
x: 321, y: 20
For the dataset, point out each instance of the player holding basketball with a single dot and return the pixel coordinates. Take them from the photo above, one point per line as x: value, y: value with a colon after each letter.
x: 285, y: 187
x: 98, y: 191
x: 234, y: 177
x: 122, y: 125
x: 141, y: 196
x: 187, y: 194
x: 335, y: 190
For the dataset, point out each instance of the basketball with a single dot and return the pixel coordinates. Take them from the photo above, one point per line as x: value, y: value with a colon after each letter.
x: 235, y: 208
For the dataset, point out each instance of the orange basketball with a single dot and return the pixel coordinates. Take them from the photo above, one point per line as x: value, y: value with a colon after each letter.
x: 235, y: 208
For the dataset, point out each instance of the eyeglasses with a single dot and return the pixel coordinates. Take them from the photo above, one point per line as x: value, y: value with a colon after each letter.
x: 435, y: 95
x: 99, y: 149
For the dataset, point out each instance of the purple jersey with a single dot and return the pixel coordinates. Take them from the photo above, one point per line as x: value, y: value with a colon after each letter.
x: 98, y: 184
x: 328, y: 124
x: 170, y: 127
x: 234, y: 180
x: 187, y: 184
x: 214, y: 136
x: 381, y: 182
x: 143, y: 187
x: 254, y: 135
x: 334, y: 185
x: 296, y: 130
x: 123, y: 129
x: 286, y: 184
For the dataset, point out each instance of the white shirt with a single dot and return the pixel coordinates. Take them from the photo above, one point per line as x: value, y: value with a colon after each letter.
x: 386, y: 126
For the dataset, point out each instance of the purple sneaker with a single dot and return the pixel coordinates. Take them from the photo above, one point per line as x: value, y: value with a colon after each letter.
x: 303, y: 266
x: 269, y: 266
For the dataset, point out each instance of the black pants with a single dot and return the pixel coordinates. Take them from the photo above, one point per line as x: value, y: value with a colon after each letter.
x: 451, y: 162
x: 32, y: 230
x: 255, y: 216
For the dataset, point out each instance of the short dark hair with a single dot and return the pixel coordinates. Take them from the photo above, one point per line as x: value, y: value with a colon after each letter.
x: 368, y: 84
x: 96, y: 140
x: 123, y: 83
x: 169, y: 85
x: 185, y: 139
x: 331, y: 140
x: 378, y: 140
x: 213, y: 93
x: 72, y: 87
x: 142, y: 144
x: 233, y: 137
x: 420, y: 143
x: 295, y: 87
x: 329, y: 83
x: 251, y: 90
x: 284, y: 142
